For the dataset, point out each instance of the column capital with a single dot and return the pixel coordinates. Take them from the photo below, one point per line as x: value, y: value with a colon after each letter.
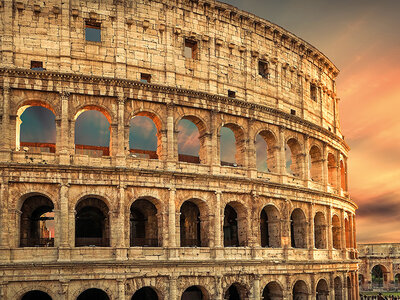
x: 218, y: 192
x: 65, y: 95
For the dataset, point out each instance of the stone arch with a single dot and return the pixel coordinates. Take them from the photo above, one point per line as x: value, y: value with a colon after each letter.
x: 322, y: 290
x: 270, y: 227
x: 336, y: 232
x: 92, y: 224
x: 194, y: 223
x: 203, y: 131
x: 37, y: 221
x: 316, y: 163
x: 146, y: 293
x: 332, y: 170
x: 300, y: 290
x: 338, y: 288
x: 195, y: 292
x: 144, y: 223
x: 320, y: 231
x: 93, y: 293
x: 271, y: 151
x: 235, y: 225
x: 272, y: 291
x: 157, y: 121
x: 379, y: 276
x: 34, y: 146
x: 237, y: 291
x: 34, y: 286
x: 93, y: 150
x: 294, y: 157
x: 298, y: 229
x: 36, y: 294
x: 240, y: 145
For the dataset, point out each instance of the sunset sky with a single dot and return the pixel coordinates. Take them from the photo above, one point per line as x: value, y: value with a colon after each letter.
x: 362, y: 38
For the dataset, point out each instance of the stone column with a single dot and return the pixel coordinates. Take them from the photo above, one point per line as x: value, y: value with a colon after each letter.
x: 65, y: 43
x: 120, y: 57
x: 338, y: 174
x: 172, y: 218
x: 343, y: 234
x: 313, y: 292
x: 353, y: 231
x: 311, y: 229
x: 5, y: 124
x: 121, y: 289
x: 251, y: 153
x: 281, y: 157
x: 64, y: 289
x: 64, y: 195
x: 120, y: 233
x: 172, y: 287
x: 306, y: 169
x: 219, y: 293
x: 62, y: 146
x: 4, y: 240
x: 330, y: 235
x: 325, y: 166
x: 120, y: 151
x: 170, y: 137
x: 256, y: 288
x: 217, y: 221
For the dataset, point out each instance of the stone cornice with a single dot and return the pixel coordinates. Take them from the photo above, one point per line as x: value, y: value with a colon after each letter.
x: 125, y: 83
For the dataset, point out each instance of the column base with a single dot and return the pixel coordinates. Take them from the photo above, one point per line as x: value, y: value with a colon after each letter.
x: 64, y: 159
x: 173, y: 253
x: 121, y: 254
x: 5, y: 155
x: 64, y: 254
x: 5, y: 254
x: 218, y: 253
x: 120, y: 161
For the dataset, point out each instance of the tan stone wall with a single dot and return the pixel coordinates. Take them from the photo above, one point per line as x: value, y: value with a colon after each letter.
x: 148, y: 37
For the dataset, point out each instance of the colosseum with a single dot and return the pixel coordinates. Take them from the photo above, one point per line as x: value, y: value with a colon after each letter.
x: 80, y: 220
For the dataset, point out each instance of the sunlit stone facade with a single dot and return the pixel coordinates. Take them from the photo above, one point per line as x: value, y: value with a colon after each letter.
x: 136, y: 224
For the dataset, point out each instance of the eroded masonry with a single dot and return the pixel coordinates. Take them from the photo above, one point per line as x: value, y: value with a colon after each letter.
x: 80, y: 220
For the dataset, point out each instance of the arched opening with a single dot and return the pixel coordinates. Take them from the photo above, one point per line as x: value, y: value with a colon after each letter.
x: 347, y: 231
x: 316, y: 164
x: 397, y: 280
x: 37, y: 222
x: 192, y: 140
x: 190, y: 225
x: 349, y: 289
x: 266, y: 152
x: 92, y: 223
x: 234, y: 225
x: 236, y: 292
x: 232, y: 145
x: 143, y: 224
x: 338, y: 288
x: 298, y: 229
x: 336, y: 232
x: 144, y: 136
x: 300, y: 291
x: 36, y: 128
x: 294, y: 158
x: 92, y: 133
x: 145, y: 293
x: 332, y: 170
x: 343, y: 172
x: 270, y: 227
x: 91, y: 294
x: 378, y: 276
x: 322, y: 290
x: 272, y: 291
x: 35, y: 295
x: 195, y: 293
x: 319, y: 231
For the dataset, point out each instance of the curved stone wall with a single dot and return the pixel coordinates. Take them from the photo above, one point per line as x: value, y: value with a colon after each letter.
x: 182, y: 225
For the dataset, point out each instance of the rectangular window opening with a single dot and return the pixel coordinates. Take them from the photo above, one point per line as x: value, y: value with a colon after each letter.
x: 37, y: 65
x: 93, y: 31
x: 145, y: 78
x: 263, y: 68
x: 313, y: 92
x: 191, y: 49
x: 293, y: 112
x: 231, y: 94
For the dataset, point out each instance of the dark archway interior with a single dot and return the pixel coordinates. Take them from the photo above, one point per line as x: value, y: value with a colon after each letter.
x: 36, y: 295
x: 192, y: 293
x: 322, y: 290
x: 93, y: 294
x: 270, y: 227
x: 298, y: 229
x: 231, y: 237
x: 338, y: 288
x: 272, y: 291
x: 300, y: 291
x: 144, y: 224
x: 145, y: 293
x: 264, y: 229
x: 36, y: 211
x: 232, y: 293
x: 377, y: 276
x: 190, y: 225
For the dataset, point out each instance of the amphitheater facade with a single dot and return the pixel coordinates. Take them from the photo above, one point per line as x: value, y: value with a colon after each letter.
x: 160, y: 224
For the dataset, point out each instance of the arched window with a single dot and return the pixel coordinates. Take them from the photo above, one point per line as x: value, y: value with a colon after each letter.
x: 298, y: 229
x: 266, y: 152
x: 336, y: 228
x: 378, y: 276
x: 272, y: 291
x: 236, y: 292
x: 195, y: 293
x: 338, y: 288
x: 348, y: 233
x: 234, y: 225
x: 92, y: 133
x: 270, y: 227
x: 190, y: 225
x: 143, y: 136
x: 34, y: 295
x: 37, y: 222
x: 192, y: 140
x: 300, y: 291
x: 332, y: 170
x: 36, y: 129
x: 294, y: 158
x: 322, y: 290
x: 91, y: 294
x: 92, y: 223
x: 145, y: 293
x: 316, y: 164
x: 319, y: 231
x: 143, y: 224
x: 232, y: 145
